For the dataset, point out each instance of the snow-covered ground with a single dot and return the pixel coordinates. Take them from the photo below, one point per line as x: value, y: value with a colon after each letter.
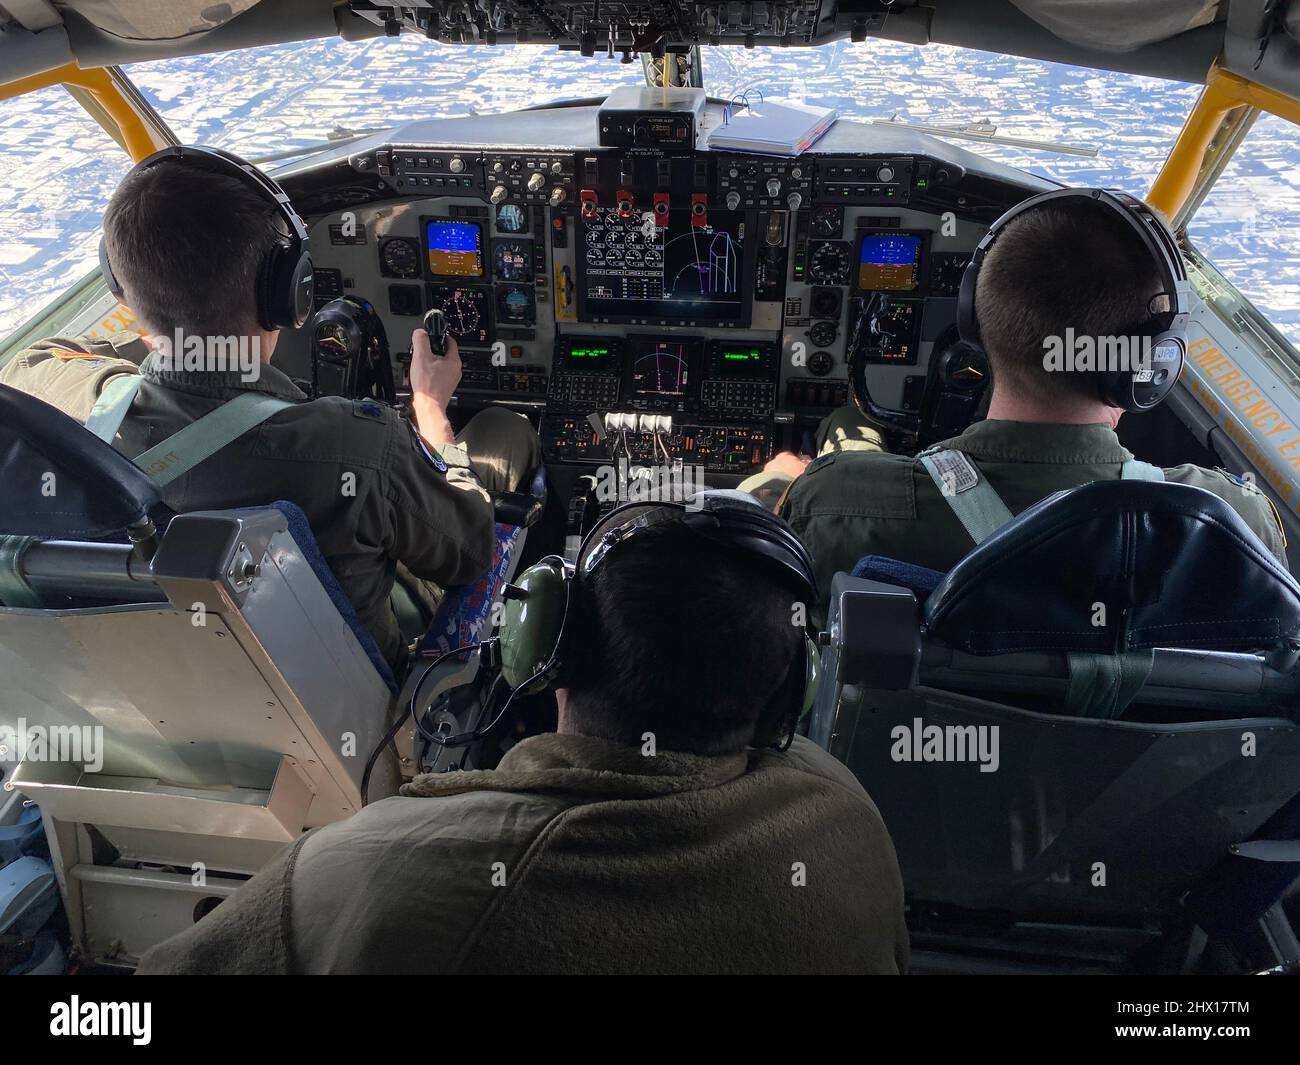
x: 59, y: 168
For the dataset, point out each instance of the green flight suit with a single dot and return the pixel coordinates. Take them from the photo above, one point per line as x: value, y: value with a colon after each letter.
x: 374, y: 494
x: 849, y: 504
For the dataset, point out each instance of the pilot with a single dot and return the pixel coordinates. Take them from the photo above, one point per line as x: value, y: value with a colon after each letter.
x: 187, y: 235
x: 1075, y: 264
x: 670, y: 824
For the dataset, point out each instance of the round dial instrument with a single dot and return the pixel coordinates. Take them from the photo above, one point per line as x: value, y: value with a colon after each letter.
x: 399, y: 257
x: 820, y: 363
x: 822, y: 334
x: 829, y: 262
x: 828, y: 222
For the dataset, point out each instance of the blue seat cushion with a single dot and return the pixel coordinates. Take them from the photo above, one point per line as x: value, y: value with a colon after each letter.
x: 300, y: 530
x: 920, y: 580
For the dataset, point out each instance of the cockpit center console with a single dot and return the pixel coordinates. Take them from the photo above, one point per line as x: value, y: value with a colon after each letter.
x: 667, y: 305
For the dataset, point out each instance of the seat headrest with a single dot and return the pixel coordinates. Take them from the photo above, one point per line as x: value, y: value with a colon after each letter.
x: 60, y: 481
x: 1116, y: 566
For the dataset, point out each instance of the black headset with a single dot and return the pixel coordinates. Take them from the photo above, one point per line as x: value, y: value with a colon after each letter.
x: 1130, y: 389
x: 285, y: 280
x: 536, y: 633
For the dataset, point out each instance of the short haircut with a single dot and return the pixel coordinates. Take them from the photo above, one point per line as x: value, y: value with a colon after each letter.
x: 1059, y: 267
x: 185, y: 243
x: 686, y: 640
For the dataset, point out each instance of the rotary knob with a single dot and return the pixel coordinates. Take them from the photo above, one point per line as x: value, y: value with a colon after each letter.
x: 498, y: 166
x: 796, y: 173
x: 774, y: 186
x: 794, y: 200
x: 885, y: 173
x: 557, y: 195
x: 557, y: 167
x: 733, y: 200
x: 535, y: 182
x: 499, y: 194
x: 457, y: 164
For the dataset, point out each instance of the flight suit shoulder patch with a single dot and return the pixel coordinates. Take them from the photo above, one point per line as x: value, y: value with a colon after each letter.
x: 820, y: 463
x: 368, y: 408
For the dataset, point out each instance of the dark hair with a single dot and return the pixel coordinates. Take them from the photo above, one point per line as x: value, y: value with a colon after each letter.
x: 683, y: 639
x: 1056, y: 268
x: 185, y: 243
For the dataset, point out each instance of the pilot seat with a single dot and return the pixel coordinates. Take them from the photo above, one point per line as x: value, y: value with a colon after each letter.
x: 185, y: 694
x: 1084, y: 738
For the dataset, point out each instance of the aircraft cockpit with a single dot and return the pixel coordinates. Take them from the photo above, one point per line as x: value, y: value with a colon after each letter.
x: 1066, y: 705
x: 646, y: 299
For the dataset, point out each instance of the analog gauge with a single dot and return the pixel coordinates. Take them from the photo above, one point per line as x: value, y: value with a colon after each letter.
x: 828, y: 222
x: 822, y: 334
x: 829, y: 262
x: 399, y: 257
x: 511, y: 218
x: 946, y: 270
x: 466, y: 310
x: 820, y: 363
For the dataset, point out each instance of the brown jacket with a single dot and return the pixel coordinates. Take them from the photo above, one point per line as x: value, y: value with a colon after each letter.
x: 372, y: 492
x: 579, y: 856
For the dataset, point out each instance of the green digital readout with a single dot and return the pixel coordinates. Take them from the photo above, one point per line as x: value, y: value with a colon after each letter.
x: 589, y: 353
x: 741, y: 362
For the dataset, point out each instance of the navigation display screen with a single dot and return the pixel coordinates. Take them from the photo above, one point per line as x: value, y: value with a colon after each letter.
x: 632, y: 270
x: 661, y: 369
x: 453, y: 249
x: 890, y: 262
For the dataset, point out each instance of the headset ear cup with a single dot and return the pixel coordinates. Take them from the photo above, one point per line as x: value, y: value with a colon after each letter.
x: 106, y: 269
x: 967, y: 324
x: 532, y: 624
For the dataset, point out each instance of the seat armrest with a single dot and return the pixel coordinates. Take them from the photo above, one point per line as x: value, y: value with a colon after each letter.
x: 516, y: 508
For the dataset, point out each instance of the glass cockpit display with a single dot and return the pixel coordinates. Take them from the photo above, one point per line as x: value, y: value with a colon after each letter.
x: 466, y: 310
x: 661, y: 370
x: 633, y: 270
x: 511, y: 218
x: 453, y: 248
x: 512, y: 260
x: 890, y: 262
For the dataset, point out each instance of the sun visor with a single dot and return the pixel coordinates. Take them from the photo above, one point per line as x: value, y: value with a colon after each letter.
x: 1119, y: 25
x: 155, y: 20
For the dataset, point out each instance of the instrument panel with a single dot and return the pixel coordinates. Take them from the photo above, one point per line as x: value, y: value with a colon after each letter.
x: 689, y: 304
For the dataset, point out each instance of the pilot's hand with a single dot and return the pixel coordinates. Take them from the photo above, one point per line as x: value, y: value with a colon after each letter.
x: 787, y: 464
x: 434, y: 376
x: 433, y: 382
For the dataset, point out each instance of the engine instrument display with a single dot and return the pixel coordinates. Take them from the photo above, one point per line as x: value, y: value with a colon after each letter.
x: 890, y: 262
x: 453, y: 248
x: 466, y: 310
x: 633, y: 270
